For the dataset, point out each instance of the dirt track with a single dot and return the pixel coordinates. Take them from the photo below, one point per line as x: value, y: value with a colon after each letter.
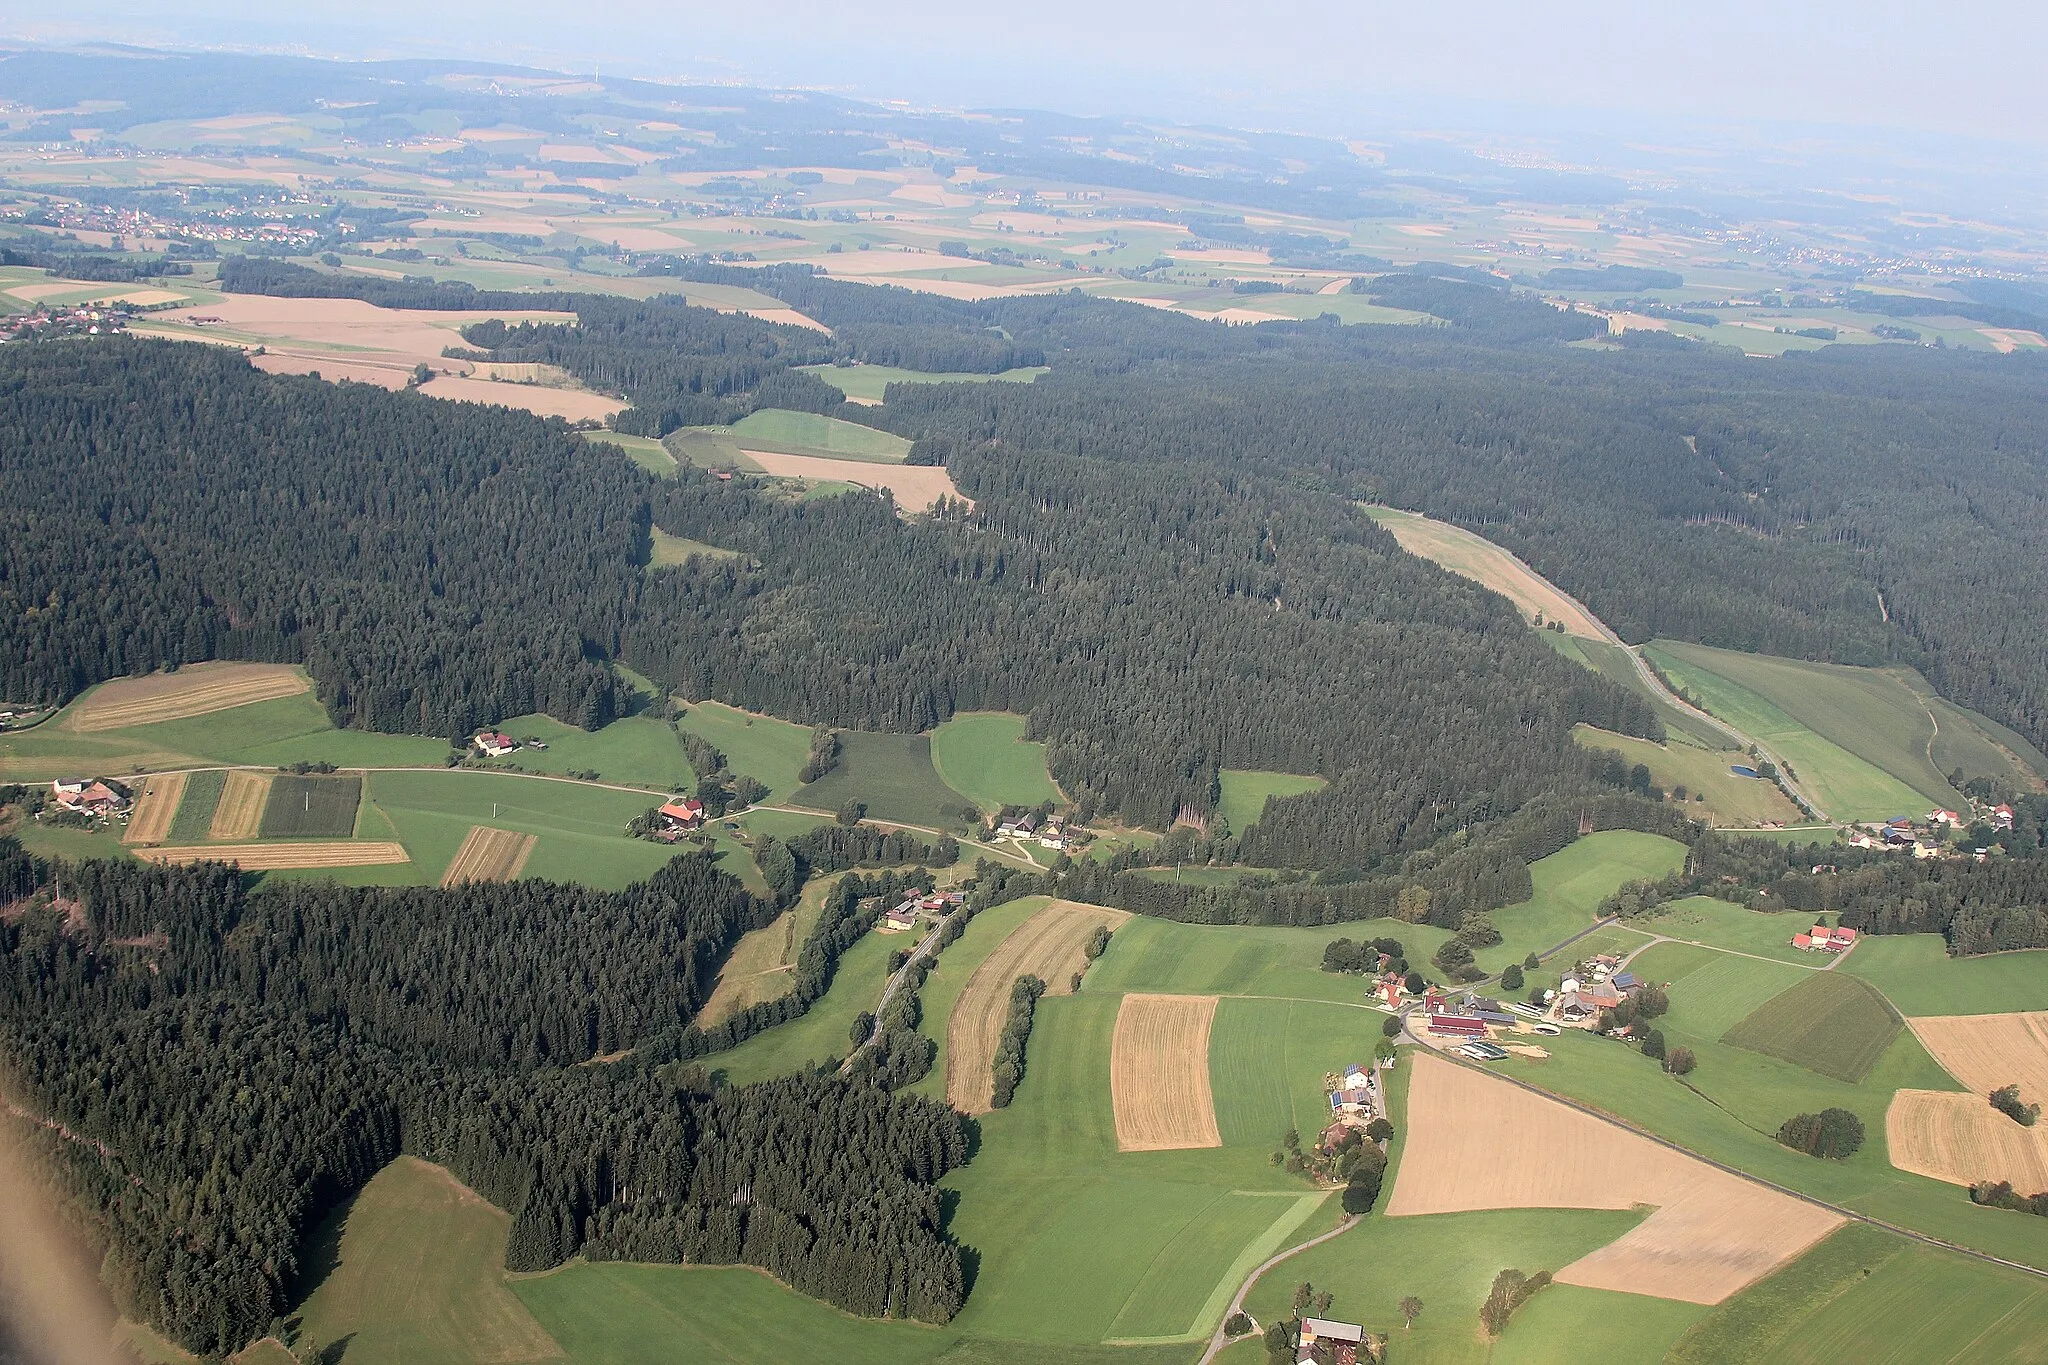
x: 272, y: 857
x: 195, y: 690
x: 156, y: 801
x: 1477, y: 1142
x: 1159, y: 1073
x: 1048, y: 946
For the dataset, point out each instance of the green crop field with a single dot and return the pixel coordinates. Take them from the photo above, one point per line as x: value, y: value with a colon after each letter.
x: 415, y: 1275
x: 644, y: 451
x: 1713, y: 792
x: 1267, y: 1060
x: 312, y: 807
x: 768, y: 750
x: 1160, y: 955
x: 1709, y: 998
x: 867, y: 383
x: 984, y: 756
x: 1570, y: 884
x: 1720, y: 924
x: 1831, y: 1022
x: 808, y: 433
x: 637, y: 751
x: 195, y: 808
x: 893, y: 774
x: 1245, y: 792
x: 665, y: 549
x: 1918, y: 976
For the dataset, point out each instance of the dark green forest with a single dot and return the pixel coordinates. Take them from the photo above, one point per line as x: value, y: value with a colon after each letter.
x: 216, y: 1069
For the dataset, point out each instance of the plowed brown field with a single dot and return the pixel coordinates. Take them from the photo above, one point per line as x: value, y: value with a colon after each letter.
x: 1048, y: 946
x: 156, y: 801
x: 1986, y: 1051
x: 489, y: 855
x: 1475, y: 1141
x: 915, y: 487
x: 240, y: 812
x: 270, y: 857
x: 1159, y: 1073
x: 1960, y: 1138
x: 195, y: 690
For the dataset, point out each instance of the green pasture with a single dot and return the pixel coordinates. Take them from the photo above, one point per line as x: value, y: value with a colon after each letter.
x: 53, y: 841
x: 650, y: 454
x: 768, y: 750
x: 637, y: 751
x: 1570, y: 884
x: 984, y: 756
x: 411, y: 1271
x: 1618, y: 665
x: 809, y: 433
x: 1713, y: 992
x: 1832, y: 1023
x: 1857, y: 736
x: 1245, y: 792
x: 665, y: 550
x: 950, y: 971
x: 706, y: 448
x: 783, y: 824
x: 322, y: 807
x: 893, y: 774
x: 1713, y: 792
x: 1866, y: 1295
x: 820, y: 1034
x: 1164, y: 956
x: 869, y: 383
x: 1722, y: 924
x: 1918, y: 976
x: 194, y: 816
x: 1267, y: 1060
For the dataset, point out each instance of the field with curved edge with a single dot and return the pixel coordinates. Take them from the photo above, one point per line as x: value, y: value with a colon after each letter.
x: 1832, y: 1023
x: 195, y: 690
x: 1472, y: 556
x: 892, y: 774
x: 1986, y: 1051
x: 984, y: 756
x: 1570, y: 884
x: 1918, y: 976
x: 1245, y: 792
x: 1957, y: 1137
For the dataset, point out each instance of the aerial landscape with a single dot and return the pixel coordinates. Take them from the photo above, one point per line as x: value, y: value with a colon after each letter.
x: 915, y: 686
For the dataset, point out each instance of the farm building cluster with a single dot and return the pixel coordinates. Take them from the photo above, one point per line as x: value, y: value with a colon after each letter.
x: 1328, y: 1342
x: 674, y: 819
x: 91, y: 796
x: 904, y: 915
x: 1941, y: 833
x: 1821, y: 939
x: 1355, y: 1101
x: 46, y: 322
x: 1049, y: 832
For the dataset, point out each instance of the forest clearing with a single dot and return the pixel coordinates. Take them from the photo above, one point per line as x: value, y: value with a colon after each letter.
x: 1159, y: 1073
x: 1986, y: 1051
x: 1050, y: 946
x: 1472, y: 556
x: 1957, y: 1137
x: 239, y: 812
x: 156, y: 802
x: 276, y: 857
x: 915, y: 487
x: 1478, y: 1142
x: 490, y: 855
x: 194, y: 690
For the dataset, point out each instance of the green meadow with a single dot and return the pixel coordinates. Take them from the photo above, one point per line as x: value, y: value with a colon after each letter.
x: 665, y: 550
x: 1721, y: 924
x: 984, y: 756
x: 1616, y: 663
x: 821, y: 1033
x: 1157, y: 955
x: 1830, y: 1022
x: 639, y: 751
x: 809, y: 433
x: 650, y: 454
x: 1245, y: 792
x: 1570, y: 884
x: 770, y: 751
x: 1918, y: 976
x: 869, y: 383
x: 1713, y: 792
x: 893, y: 774
x: 952, y: 967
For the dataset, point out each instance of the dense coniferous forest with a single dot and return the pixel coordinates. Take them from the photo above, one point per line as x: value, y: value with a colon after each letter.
x: 220, y: 1068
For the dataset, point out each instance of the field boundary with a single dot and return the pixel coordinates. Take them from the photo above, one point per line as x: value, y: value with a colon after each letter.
x: 155, y: 807
x: 197, y: 690
x: 272, y: 857
x: 238, y: 814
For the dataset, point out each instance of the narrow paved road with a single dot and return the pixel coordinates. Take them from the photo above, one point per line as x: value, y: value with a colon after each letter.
x: 1218, y: 1341
x: 926, y: 947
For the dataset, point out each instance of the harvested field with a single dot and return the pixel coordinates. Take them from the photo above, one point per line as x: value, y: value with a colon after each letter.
x: 1048, y: 946
x: 195, y: 690
x: 1159, y: 1074
x: 1986, y: 1051
x: 239, y: 813
x: 272, y: 857
x: 1478, y: 1142
x: 1474, y: 557
x: 1962, y: 1139
x: 916, y: 487
x: 490, y: 855
x: 156, y: 801
x: 341, y: 329
x: 574, y: 405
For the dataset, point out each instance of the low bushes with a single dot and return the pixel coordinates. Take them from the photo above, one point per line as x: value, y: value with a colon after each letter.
x: 1511, y: 1289
x: 2006, y: 1100
x: 1832, y: 1133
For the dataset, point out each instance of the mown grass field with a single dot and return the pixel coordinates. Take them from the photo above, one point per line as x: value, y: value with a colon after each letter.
x: 1713, y: 992
x: 1165, y: 957
x: 664, y: 549
x: 1245, y: 792
x: 768, y: 750
x: 1720, y: 924
x: 1854, y: 736
x: 953, y: 966
x: 821, y: 1034
x: 1832, y: 1023
x: 417, y: 1276
x: 761, y: 966
x: 868, y: 383
x: 644, y: 451
x: 638, y: 751
x: 1618, y: 665
x: 892, y: 774
x: 1918, y: 976
x: 195, y: 809
x: 1713, y: 793
x: 808, y: 433
x: 1570, y: 884
x: 984, y: 756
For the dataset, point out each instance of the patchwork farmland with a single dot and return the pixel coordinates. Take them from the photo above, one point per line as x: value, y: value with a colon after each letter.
x: 311, y: 807
x: 1986, y: 1051
x: 196, y: 690
x: 239, y: 812
x: 156, y: 804
x: 197, y: 805
x: 1159, y: 1073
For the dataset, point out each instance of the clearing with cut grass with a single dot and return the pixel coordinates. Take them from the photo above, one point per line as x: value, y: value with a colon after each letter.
x: 984, y: 756
x: 1713, y: 791
x: 1159, y: 1073
x: 1918, y: 976
x: 1832, y: 1023
x: 489, y: 855
x: 1569, y: 886
x: 1986, y: 1051
x: 239, y: 812
x: 1050, y: 946
x: 779, y: 431
x: 1472, y: 556
x: 278, y: 856
x: 1960, y: 1138
x: 869, y: 383
x: 1722, y: 924
x: 1244, y: 793
x: 156, y: 803
x: 1475, y: 1141
x: 762, y: 965
x: 915, y: 487
x: 892, y: 775
x: 312, y: 807
x: 768, y: 750
x: 195, y: 690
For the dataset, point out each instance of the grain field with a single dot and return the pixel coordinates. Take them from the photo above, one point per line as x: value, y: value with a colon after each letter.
x: 239, y: 815
x: 1987, y: 1051
x: 1959, y: 1138
x: 1050, y: 946
x: 1159, y: 1073
x: 1476, y: 1141
x: 489, y: 855
x: 195, y: 690
x: 156, y: 801
x: 273, y: 857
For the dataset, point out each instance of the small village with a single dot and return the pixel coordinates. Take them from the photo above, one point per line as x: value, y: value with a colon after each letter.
x: 916, y: 907
x: 1935, y: 835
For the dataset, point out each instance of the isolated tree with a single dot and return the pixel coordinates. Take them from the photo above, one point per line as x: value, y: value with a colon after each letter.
x: 1413, y: 983
x: 863, y: 1027
x: 1411, y: 1309
x: 851, y: 812
x: 2006, y: 1100
x: 1392, y: 1026
x: 1680, y: 1061
x: 1237, y: 1324
x: 1653, y: 1045
x: 1511, y: 977
x: 1531, y: 963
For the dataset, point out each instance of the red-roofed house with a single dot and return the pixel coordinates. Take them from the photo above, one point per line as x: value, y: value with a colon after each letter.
x: 491, y: 744
x: 682, y: 815
x: 1803, y: 941
x: 1842, y: 939
x: 2001, y: 817
x: 1943, y: 817
x: 1457, y: 1026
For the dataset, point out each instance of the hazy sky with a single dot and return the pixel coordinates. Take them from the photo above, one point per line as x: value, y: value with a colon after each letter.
x: 1958, y: 66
